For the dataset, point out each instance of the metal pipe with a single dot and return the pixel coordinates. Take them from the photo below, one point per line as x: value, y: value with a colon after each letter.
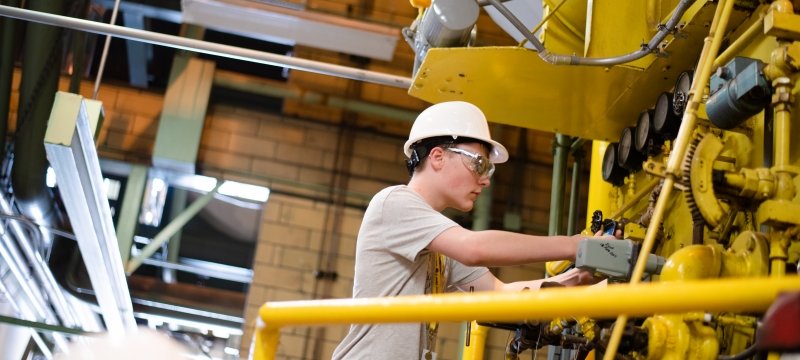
x: 37, y: 338
x: 555, y: 59
x: 717, y: 295
x: 39, y: 83
x: 782, y: 126
x: 11, y: 256
x: 714, y: 295
x: 174, y: 226
x: 710, y: 49
x: 206, y: 47
x: 577, y: 168
x: 40, y: 269
x: 557, y: 187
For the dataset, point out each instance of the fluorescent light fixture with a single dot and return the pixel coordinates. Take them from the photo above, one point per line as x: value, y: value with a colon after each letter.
x: 71, y: 151
x: 244, y: 191
x: 112, y: 188
x: 155, y: 195
x: 283, y: 25
x: 50, y: 177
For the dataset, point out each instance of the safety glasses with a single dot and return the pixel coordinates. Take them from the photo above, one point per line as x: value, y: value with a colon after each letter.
x: 475, y: 162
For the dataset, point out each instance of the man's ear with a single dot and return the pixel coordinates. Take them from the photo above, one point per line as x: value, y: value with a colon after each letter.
x: 436, y: 158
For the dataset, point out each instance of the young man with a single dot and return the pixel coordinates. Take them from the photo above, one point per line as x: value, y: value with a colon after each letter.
x: 451, y: 160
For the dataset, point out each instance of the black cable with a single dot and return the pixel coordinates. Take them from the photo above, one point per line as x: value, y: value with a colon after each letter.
x: 746, y: 354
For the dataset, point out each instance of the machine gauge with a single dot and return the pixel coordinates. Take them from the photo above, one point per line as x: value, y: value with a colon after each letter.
x: 665, y: 122
x: 681, y: 94
x: 644, y: 130
x: 612, y: 172
x: 627, y: 155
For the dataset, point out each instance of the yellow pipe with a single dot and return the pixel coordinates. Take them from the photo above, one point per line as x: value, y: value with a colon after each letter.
x: 747, y: 37
x: 782, y: 125
x: 477, y: 342
x: 646, y: 190
x: 714, y: 295
x: 265, y: 342
x: 717, y: 295
x: 710, y: 49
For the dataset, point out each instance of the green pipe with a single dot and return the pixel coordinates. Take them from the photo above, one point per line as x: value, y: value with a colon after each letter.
x: 171, y: 229
x: 42, y: 326
x: 8, y: 47
x: 577, y: 167
x: 560, y: 151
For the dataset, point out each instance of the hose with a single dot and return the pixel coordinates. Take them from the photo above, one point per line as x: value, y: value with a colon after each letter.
x: 555, y: 59
x: 746, y: 354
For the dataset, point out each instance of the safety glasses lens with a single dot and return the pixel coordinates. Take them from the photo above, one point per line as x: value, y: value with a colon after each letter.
x: 477, y: 163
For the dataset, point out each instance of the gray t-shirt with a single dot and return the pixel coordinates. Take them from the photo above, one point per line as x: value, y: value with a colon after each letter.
x: 392, y: 260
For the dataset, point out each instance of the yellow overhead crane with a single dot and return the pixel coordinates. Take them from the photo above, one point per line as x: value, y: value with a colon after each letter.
x: 696, y: 151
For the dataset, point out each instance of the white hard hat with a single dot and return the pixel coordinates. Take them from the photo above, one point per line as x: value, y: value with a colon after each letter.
x: 456, y: 119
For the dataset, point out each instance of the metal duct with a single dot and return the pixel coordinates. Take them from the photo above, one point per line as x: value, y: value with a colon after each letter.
x: 40, y: 72
x: 8, y: 45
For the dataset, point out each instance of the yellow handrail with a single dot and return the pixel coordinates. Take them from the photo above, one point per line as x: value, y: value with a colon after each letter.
x: 635, y: 300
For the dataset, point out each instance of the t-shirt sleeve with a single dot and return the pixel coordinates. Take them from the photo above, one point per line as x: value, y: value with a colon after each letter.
x: 411, y: 224
x: 460, y: 274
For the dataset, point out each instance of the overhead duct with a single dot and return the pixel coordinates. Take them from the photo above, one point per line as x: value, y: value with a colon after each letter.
x: 291, y: 26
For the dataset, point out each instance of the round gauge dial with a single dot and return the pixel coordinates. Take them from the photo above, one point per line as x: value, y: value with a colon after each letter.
x: 665, y: 121
x: 681, y: 93
x: 644, y: 131
x: 612, y: 172
x: 627, y: 155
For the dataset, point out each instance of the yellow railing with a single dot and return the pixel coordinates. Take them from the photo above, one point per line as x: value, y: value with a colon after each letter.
x: 729, y: 295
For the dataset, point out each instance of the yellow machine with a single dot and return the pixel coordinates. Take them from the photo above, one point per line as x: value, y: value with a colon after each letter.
x: 695, y: 155
x: 695, y: 152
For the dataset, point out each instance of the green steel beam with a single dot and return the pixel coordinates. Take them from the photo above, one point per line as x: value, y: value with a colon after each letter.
x: 171, y: 229
x: 129, y: 214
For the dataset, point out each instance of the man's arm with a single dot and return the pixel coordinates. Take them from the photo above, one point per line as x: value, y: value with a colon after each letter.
x: 501, y: 248
x: 489, y: 282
